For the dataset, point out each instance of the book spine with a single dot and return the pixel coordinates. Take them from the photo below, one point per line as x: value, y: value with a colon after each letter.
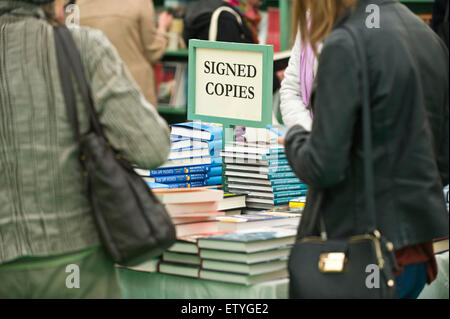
x: 215, y: 171
x: 282, y: 201
x: 180, y: 178
x: 270, y: 157
x: 284, y: 188
x: 280, y: 169
x: 276, y: 150
x: 290, y: 194
x: 216, y: 180
x: 281, y: 175
x: 201, y: 169
x: 280, y: 162
x: 284, y: 181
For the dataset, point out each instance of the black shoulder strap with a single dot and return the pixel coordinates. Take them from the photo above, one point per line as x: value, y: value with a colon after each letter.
x: 369, y: 192
x: 70, y: 63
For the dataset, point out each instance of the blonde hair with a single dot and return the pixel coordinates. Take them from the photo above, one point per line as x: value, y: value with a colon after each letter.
x: 316, y: 18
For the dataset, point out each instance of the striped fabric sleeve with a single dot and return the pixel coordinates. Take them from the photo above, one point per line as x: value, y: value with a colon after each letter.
x: 132, y: 125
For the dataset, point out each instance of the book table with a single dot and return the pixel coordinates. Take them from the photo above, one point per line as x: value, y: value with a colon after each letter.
x: 147, y: 285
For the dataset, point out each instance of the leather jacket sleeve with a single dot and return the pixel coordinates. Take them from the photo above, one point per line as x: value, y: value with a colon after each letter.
x: 320, y: 158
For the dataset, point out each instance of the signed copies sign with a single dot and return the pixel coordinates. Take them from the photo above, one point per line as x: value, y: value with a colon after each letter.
x: 230, y: 83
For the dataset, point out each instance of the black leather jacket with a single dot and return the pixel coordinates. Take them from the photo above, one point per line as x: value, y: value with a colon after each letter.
x: 409, y: 78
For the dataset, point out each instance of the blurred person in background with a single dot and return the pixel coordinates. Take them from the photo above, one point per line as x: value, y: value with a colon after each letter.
x: 409, y: 100
x: 241, y: 24
x: 46, y: 221
x: 296, y: 87
x: 131, y: 27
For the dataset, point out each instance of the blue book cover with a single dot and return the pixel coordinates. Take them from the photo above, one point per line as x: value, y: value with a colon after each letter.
x: 198, y: 130
x: 284, y: 181
x: 280, y: 162
x: 280, y: 169
x: 180, y: 178
x: 193, y: 161
x: 295, y: 193
x: 284, y: 188
x: 214, y: 171
x: 281, y: 175
x: 277, y: 156
x: 211, y: 170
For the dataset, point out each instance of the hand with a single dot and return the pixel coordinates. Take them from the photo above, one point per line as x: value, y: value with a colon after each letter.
x: 165, y: 21
x: 282, y: 140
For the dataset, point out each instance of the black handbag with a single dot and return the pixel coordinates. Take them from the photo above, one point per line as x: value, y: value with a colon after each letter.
x: 359, y: 267
x: 133, y: 225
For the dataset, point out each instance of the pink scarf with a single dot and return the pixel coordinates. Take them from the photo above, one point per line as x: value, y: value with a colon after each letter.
x: 307, y: 60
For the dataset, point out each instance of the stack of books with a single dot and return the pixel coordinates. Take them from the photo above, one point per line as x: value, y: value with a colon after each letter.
x: 193, y: 211
x: 262, y: 172
x: 269, y: 218
x: 194, y: 159
x: 241, y: 257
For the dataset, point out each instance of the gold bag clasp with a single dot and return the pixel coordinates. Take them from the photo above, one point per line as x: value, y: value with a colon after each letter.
x: 332, y: 262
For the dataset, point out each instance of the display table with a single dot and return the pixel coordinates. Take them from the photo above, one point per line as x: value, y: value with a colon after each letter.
x: 439, y: 288
x: 138, y: 285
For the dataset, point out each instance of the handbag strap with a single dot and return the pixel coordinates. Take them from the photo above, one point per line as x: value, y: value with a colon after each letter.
x: 213, y: 28
x: 369, y: 218
x: 70, y: 64
x: 369, y: 192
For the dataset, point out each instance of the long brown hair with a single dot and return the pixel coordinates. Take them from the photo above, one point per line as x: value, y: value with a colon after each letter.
x: 316, y: 18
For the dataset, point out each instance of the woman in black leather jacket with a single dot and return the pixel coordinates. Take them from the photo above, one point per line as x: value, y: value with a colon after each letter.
x: 408, y: 69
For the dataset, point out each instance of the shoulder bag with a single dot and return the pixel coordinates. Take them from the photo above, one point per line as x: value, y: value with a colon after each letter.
x: 133, y: 225
x: 359, y: 267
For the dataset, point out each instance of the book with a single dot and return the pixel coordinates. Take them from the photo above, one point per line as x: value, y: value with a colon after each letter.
x: 195, y: 161
x: 242, y: 279
x: 283, y: 175
x: 188, y: 244
x: 191, y: 153
x: 195, y: 219
x: 257, y: 157
x: 245, y: 258
x: 250, y: 241
x: 182, y: 196
x: 199, y: 169
x: 299, y: 202
x: 177, y: 178
x: 231, y: 201
x: 258, y: 169
x: 274, y: 202
x: 209, y: 182
x: 193, y: 228
x: 255, y: 181
x: 203, y: 131
x: 247, y: 269
x: 183, y: 143
x: 167, y: 84
x: 269, y: 188
x: 246, y: 161
x: 254, y: 221
x: 192, y: 208
x: 182, y: 258
x: 185, y: 270
x: 259, y: 149
x: 440, y: 245
x: 147, y: 266
x: 270, y: 195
